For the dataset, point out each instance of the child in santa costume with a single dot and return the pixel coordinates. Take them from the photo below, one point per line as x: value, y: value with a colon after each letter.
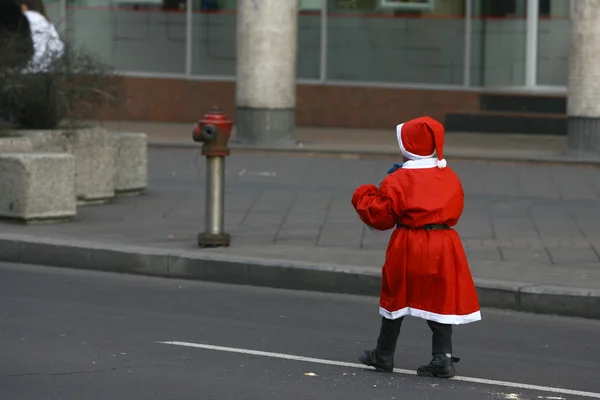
x: 426, y: 273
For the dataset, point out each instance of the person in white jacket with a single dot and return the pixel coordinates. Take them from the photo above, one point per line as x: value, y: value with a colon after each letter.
x: 48, y: 46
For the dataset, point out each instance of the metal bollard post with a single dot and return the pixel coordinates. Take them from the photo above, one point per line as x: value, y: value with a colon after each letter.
x: 214, y: 132
x: 215, y: 196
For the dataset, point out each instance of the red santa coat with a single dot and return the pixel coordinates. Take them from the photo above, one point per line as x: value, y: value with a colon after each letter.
x: 426, y: 273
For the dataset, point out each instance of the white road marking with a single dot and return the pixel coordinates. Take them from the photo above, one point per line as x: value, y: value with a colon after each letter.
x: 244, y: 172
x: 547, y: 389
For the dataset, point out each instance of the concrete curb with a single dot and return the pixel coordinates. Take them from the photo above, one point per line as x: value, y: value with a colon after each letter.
x: 284, y: 274
x: 374, y: 153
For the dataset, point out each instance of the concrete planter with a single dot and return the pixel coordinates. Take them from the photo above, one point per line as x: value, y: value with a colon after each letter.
x: 131, y: 172
x: 95, y: 152
x: 15, y: 144
x: 37, y: 186
x: 45, y: 174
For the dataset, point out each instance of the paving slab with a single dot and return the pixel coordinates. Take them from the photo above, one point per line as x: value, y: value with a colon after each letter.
x: 294, y: 212
x: 361, y: 143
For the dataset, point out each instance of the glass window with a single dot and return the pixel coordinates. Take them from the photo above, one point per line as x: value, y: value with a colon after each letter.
x: 131, y: 35
x: 396, y: 41
x: 498, y: 43
x: 309, y: 39
x: 553, y: 42
x: 214, y: 38
x: 213, y: 33
x: 53, y: 11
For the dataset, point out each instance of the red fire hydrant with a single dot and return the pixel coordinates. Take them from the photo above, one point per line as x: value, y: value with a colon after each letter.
x: 213, y: 132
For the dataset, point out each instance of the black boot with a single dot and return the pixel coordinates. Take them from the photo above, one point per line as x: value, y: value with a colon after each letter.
x: 441, y: 366
x: 382, y: 358
x: 380, y: 361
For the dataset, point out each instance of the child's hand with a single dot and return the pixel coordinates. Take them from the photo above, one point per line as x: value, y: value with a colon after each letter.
x: 394, y: 168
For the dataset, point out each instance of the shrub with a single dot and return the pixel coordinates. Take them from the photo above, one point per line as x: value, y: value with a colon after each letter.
x: 71, y: 89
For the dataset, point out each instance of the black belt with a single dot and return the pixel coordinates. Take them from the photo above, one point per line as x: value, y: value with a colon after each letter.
x: 428, y: 227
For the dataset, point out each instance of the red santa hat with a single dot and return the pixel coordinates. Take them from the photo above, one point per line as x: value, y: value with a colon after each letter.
x: 422, y: 138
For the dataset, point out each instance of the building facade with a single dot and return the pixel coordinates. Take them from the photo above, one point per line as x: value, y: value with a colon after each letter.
x: 361, y: 63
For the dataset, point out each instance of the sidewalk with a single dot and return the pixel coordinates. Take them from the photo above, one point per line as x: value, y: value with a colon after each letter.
x: 375, y: 143
x: 530, y: 231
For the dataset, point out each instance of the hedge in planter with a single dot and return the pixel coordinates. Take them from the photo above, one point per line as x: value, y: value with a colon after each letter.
x: 50, y: 108
x: 71, y: 90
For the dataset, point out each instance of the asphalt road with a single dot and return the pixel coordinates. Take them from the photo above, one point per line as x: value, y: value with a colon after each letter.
x: 69, y: 334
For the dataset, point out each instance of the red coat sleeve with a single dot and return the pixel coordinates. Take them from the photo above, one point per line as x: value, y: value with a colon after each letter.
x: 376, y: 207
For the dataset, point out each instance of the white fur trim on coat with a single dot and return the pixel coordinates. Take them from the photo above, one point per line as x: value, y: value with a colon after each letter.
x: 429, y: 316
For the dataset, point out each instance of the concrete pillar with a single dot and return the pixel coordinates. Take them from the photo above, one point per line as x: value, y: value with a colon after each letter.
x: 267, y: 43
x: 583, y: 102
